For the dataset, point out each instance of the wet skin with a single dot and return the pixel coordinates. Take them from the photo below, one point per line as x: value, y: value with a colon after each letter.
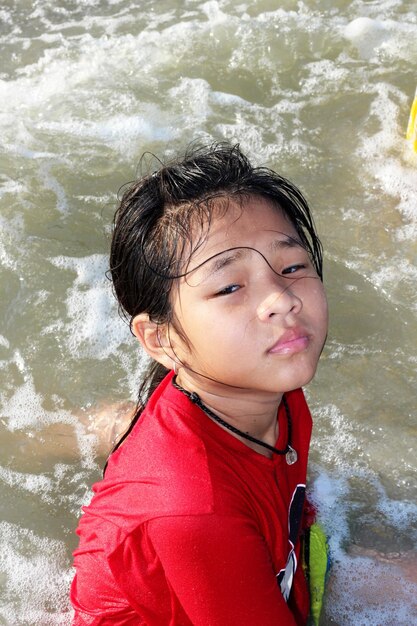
x: 254, y: 313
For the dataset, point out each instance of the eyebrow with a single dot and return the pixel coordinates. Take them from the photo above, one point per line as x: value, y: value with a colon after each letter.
x: 285, y: 242
x: 222, y: 259
x: 225, y: 259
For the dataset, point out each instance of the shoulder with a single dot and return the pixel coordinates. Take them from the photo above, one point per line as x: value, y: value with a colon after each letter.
x: 160, y: 470
x: 163, y: 456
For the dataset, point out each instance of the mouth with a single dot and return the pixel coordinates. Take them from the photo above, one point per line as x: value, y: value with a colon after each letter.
x: 291, y: 342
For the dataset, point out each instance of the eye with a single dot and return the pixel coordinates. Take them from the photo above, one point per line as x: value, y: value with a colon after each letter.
x: 294, y: 268
x: 228, y: 290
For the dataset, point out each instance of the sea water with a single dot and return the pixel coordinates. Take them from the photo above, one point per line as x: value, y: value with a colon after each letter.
x: 319, y: 91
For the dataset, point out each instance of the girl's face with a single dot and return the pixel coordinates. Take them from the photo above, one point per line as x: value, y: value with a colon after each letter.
x: 252, y: 306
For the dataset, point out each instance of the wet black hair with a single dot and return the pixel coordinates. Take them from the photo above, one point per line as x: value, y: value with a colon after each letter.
x: 159, y: 215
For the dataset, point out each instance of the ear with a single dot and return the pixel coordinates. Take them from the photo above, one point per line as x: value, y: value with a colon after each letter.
x: 154, y: 339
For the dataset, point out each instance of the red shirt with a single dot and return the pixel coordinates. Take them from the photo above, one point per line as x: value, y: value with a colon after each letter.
x: 191, y: 526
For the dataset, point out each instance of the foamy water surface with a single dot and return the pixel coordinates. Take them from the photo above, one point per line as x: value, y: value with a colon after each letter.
x: 320, y: 92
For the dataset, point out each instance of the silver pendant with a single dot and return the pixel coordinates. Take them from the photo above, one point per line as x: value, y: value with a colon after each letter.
x: 291, y: 456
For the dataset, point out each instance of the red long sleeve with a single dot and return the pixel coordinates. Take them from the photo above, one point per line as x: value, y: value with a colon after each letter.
x: 192, y: 527
x: 220, y: 569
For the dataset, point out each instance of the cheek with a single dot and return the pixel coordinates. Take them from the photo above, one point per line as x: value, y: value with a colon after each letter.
x: 321, y: 308
x: 212, y: 330
x: 323, y: 299
x: 315, y: 303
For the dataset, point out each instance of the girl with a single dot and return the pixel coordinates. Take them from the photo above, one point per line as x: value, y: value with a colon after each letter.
x: 198, y: 518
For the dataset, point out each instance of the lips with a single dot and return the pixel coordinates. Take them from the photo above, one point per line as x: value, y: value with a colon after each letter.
x: 291, y: 342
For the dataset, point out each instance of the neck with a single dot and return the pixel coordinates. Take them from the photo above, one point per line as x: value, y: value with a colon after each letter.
x: 247, y: 410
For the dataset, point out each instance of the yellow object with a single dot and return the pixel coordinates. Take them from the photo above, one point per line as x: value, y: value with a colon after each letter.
x: 316, y: 563
x: 412, y: 124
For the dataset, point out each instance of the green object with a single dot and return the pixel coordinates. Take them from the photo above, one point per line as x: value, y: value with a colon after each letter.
x: 317, y: 563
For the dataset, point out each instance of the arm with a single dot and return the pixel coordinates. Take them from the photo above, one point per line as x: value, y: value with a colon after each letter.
x: 220, y: 570
x: 96, y: 597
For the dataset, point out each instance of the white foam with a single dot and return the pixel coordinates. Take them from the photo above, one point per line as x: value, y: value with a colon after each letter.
x: 24, y: 410
x: 394, y: 276
x: 6, y: 16
x: 194, y: 96
x: 398, y: 512
x: 328, y: 494
x: 12, y: 187
x: 51, y: 182
x: 400, y: 182
x: 214, y: 14
x: 375, y: 37
x: 34, y: 483
x: 36, y: 578
x: 121, y: 132
x: 94, y: 328
x: 364, y: 585
x: 99, y: 200
x: 366, y: 34
x: 337, y: 443
x: 229, y: 99
x: 10, y: 235
x: 391, y: 174
x: 370, y: 592
x: 70, y: 73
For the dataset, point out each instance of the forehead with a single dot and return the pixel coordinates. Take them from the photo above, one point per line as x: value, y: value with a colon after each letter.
x: 253, y: 223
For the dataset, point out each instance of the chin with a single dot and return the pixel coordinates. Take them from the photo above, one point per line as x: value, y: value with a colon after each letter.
x: 300, y: 379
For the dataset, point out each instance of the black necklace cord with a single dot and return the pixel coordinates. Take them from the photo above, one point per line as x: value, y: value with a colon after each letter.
x: 195, y: 399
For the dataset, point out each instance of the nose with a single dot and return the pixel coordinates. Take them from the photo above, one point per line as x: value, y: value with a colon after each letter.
x: 280, y: 302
